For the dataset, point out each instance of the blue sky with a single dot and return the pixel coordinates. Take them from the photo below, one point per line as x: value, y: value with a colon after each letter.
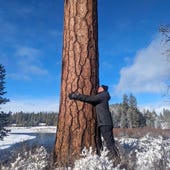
x: 130, y: 51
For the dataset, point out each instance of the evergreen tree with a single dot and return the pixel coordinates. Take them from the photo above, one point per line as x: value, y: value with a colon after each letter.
x: 4, y: 121
x: 157, y: 122
x: 116, y: 112
x: 125, y: 103
x: 132, y: 102
x: 3, y: 100
x: 150, y: 118
x: 165, y: 119
x: 123, y: 120
x: 129, y: 117
x: 142, y: 120
x: 4, y: 118
x: 33, y: 119
x: 135, y: 118
x: 125, y: 107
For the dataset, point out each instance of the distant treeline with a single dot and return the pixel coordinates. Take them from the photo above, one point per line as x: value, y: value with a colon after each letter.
x: 125, y: 115
x: 33, y: 119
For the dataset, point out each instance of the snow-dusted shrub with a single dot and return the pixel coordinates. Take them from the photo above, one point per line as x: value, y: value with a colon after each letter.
x: 92, y: 161
x: 153, y: 153
x: 34, y: 159
x: 146, y: 153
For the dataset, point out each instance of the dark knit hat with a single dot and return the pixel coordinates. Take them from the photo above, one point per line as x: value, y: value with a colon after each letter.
x: 104, y: 87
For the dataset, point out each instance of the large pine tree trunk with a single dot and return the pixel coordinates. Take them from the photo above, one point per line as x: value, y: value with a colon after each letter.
x: 76, y: 126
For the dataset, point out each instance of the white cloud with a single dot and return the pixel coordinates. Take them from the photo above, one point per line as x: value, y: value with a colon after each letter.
x: 28, y: 62
x: 36, y: 70
x: 30, y: 53
x: 32, y: 105
x: 15, y: 76
x: 148, y: 73
x: 31, y: 69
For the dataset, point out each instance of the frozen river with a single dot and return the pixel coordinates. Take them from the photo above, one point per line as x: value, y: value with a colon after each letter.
x: 21, y: 137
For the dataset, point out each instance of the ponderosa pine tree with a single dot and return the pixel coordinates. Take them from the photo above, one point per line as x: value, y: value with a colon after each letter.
x: 76, y: 127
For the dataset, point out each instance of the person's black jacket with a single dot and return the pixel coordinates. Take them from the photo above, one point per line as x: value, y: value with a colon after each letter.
x: 102, y: 106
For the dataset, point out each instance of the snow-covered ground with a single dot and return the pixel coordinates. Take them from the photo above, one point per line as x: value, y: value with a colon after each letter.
x: 16, y: 134
x: 36, y: 129
x: 145, y: 153
x: 13, y: 139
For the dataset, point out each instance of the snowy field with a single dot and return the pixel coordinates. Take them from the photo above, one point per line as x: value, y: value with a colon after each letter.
x: 146, y: 153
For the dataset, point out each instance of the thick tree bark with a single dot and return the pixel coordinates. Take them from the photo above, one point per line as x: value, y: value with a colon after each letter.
x: 76, y: 126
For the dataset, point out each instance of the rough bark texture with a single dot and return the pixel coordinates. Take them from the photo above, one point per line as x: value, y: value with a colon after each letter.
x: 77, y: 120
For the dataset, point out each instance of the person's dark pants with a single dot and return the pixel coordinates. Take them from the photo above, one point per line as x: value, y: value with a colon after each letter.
x: 107, y: 133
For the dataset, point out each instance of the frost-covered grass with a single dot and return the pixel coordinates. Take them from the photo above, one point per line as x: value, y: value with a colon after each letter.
x: 145, y: 153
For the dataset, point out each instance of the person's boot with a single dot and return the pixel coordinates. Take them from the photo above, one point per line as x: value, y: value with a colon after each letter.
x: 116, y: 156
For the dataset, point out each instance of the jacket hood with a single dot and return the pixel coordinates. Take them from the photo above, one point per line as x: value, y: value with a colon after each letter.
x: 107, y: 95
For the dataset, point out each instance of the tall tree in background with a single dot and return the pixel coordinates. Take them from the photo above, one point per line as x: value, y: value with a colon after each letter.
x: 130, y: 117
x: 4, y: 118
x: 134, y: 111
x: 132, y: 102
x: 125, y: 106
x: 76, y: 126
x: 150, y: 118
